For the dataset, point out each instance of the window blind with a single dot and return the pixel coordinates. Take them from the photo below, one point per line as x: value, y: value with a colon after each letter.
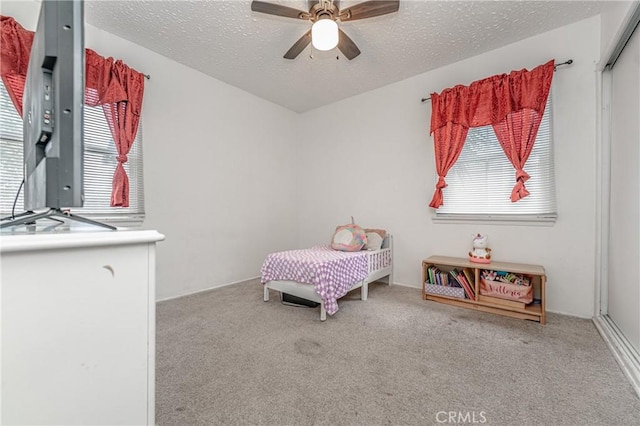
x: 479, y: 184
x: 99, y: 165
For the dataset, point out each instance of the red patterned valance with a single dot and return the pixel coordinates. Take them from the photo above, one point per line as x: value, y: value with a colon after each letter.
x: 488, y: 101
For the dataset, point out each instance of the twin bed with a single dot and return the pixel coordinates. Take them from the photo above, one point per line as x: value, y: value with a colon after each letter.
x: 324, y: 275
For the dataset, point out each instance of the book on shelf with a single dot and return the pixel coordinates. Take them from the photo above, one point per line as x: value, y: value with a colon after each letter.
x: 432, y: 274
x: 468, y: 289
x: 438, y: 277
x: 453, y: 279
x: 469, y: 275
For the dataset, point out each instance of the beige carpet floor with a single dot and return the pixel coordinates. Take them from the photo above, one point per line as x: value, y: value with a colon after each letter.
x: 225, y: 357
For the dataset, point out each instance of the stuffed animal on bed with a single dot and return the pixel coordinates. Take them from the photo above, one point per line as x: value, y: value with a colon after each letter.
x: 349, y: 237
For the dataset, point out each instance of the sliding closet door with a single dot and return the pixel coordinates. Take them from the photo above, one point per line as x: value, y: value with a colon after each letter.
x: 624, y: 231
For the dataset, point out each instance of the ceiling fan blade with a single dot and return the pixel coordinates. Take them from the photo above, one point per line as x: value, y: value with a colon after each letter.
x: 278, y: 10
x: 347, y: 46
x: 369, y: 9
x: 298, y: 46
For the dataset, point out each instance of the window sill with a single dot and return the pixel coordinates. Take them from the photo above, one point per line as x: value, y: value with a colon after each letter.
x: 119, y: 222
x: 528, y: 220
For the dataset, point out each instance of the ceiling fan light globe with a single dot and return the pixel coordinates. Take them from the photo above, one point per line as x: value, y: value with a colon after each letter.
x: 324, y: 34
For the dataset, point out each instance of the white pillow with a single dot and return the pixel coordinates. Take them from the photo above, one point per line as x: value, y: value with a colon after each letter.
x: 374, y: 241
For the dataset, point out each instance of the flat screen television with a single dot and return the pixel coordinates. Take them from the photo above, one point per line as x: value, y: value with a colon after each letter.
x: 52, y: 109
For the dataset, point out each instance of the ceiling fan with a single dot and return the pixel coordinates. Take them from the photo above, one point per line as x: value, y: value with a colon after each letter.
x: 324, y: 14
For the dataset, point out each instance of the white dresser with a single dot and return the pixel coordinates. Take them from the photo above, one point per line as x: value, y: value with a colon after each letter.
x: 78, y: 328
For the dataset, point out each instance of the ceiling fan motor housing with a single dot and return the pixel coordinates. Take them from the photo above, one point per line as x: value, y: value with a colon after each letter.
x: 324, y: 9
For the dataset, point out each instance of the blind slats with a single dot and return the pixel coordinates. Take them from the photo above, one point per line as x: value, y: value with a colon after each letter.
x: 481, y: 181
x: 99, y: 165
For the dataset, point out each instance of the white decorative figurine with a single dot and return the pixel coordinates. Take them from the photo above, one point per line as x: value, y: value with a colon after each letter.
x: 480, y: 253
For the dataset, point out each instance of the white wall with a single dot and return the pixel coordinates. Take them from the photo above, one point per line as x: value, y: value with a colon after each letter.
x: 25, y: 12
x: 374, y: 161
x: 218, y: 167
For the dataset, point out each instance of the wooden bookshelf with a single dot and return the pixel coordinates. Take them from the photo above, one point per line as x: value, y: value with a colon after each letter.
x: 513, y: 309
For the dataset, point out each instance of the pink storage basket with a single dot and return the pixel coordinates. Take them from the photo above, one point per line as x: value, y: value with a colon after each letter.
x: 507, y: 291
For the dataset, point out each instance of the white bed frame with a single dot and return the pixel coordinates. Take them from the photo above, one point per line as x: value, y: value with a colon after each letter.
x: 307, y: 291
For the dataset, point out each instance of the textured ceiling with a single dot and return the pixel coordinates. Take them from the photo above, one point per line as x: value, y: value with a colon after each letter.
x: 229, y: 42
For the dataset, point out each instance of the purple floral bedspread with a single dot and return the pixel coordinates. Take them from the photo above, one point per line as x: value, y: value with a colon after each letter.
x: 331, y: 272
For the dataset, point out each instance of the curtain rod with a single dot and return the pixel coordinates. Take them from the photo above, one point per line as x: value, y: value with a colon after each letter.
x: 147, y: 76
x: 555, y: 67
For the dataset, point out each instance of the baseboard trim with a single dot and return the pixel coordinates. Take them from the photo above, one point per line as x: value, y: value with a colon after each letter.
x: 407, y: 285
x: 228, y: 284
x: 587, y: 317
x: 625, y: 355
x: 207, y: 289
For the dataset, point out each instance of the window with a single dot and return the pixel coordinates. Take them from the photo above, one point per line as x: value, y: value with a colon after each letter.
x: 479, y: 184
x: 99, y: 164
